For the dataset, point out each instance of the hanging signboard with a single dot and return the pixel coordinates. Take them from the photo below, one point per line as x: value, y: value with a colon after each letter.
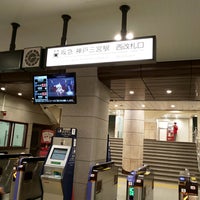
x: 140, y: 49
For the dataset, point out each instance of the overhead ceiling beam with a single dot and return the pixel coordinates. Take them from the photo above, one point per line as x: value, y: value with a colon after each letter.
x: 160, y: 69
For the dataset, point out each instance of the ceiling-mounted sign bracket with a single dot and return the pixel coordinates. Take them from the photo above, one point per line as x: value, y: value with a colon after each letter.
x: 124, y: 52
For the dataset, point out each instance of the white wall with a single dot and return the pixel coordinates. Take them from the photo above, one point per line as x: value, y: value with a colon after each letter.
x: 157, y: 120
x: 21, y: 110
x: 184, y: 132
x: 183, y: 119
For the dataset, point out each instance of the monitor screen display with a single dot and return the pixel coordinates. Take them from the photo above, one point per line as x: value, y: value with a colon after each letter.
x: 55, y: 88
x: 10, y: 60
x: 58, y: 154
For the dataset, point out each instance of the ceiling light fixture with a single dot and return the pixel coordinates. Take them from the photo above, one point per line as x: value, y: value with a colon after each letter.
x: 131, y: 92
x: 3, y: 88
x: 143, y: 106
x: 129, y: 36
x: 172, y: 106
x: 19, y: 94
x: 118, y: 37
x: 168, y: 91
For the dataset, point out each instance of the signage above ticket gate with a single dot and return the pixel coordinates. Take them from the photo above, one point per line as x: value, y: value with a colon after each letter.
x: 139, y: 50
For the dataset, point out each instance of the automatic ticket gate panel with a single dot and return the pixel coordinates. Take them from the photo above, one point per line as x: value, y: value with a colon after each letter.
x: 140, y: 184
x: 187, y: 186
x: 102, y: 182
x: 7, y: 162
x: 6, y: 166
x: 27, y: 184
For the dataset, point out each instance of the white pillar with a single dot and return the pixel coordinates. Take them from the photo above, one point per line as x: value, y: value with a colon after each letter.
x: 90, y: 117
x: 119, y: 120
x: 133, y: 139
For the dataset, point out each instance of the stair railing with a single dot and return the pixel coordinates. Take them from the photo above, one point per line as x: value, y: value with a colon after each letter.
x: 197, y: 141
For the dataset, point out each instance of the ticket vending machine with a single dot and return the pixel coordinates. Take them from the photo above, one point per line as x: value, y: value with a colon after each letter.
x: 58, y: 171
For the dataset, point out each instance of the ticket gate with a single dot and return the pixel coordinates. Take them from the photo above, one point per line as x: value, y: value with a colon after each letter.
x: 187, y: 186
x: 102, y: 182
x: 26, y: 182
x: 7, y: 162
x: 58, y: 171
x: 140, y: 184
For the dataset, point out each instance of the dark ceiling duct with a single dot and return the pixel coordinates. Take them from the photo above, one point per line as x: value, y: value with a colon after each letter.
x: 124, y: 9
x: 66, y: 18
x: 15, y: 26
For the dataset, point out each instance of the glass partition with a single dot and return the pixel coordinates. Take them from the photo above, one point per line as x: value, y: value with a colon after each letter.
x: 4, y: 133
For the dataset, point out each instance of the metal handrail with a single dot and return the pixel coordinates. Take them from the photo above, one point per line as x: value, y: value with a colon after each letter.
x: 197, y: 141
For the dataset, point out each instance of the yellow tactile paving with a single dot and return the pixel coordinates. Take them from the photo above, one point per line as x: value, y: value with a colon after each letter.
x: 166, y: 185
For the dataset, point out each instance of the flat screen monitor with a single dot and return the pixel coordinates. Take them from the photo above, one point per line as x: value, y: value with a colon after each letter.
x: 55, y: 88
x: 58, y: 155
x: 10, y: 60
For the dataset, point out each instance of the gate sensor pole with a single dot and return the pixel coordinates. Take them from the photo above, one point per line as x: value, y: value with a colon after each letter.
x: 66, y: 18
x: 14, y: 32
x: 124, y: 9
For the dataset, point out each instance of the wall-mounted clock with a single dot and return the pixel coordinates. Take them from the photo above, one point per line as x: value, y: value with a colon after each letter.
x: 31, y: 57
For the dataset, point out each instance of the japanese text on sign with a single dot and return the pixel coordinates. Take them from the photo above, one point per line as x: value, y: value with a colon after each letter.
x: 105, y: 52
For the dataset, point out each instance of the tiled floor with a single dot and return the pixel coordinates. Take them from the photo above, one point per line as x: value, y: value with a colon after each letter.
x: 162, y: 191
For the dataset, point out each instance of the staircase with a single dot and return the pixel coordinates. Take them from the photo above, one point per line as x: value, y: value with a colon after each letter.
x: 167, y: 159
x: 116, y: 148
